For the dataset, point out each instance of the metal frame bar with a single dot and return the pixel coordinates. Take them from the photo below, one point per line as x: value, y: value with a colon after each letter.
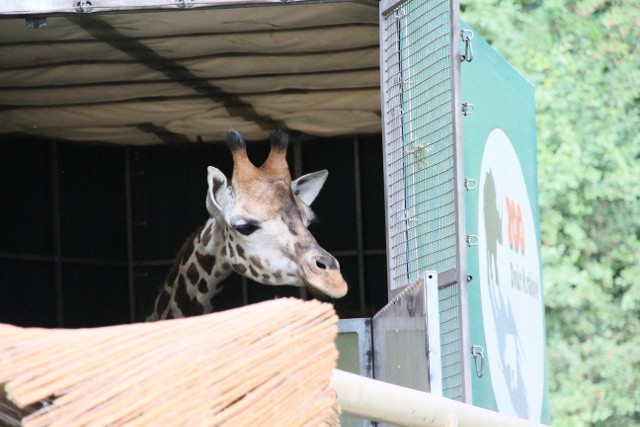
x: 85, y: 261
x: 129, y: 219
x: 390, y: 403
x: 57, y: 233
x: 357, y: 183
x: 461, y: 267
x: 50, y: 7
x: 384, y: 7
x: 362, y: 328
x: 447, y: 277
x: 431, y: 279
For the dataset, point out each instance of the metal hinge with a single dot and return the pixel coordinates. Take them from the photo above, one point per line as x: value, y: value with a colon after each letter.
x: 468, y: 109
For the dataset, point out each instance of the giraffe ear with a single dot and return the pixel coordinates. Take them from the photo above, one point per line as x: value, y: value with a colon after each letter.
x: 308, y: 186
x: 217, y: 190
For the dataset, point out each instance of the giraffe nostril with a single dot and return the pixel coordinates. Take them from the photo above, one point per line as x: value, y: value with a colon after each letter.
x: 322, y: 263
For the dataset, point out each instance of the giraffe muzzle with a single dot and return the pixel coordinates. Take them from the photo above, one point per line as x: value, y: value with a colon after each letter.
x: 322, y: 274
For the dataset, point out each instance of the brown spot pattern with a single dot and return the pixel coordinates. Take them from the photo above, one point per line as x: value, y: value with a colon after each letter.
x: 192, y: 273
x: 231, y: 253
x: 253, y: 271
x: 202, y: 286
x: 240, y: 251
x: 256, y: 261
x: 239, y: 268
x: 206, y: 236
x: 189, y: 306
x: 181, y: 297
x: 206, y: 262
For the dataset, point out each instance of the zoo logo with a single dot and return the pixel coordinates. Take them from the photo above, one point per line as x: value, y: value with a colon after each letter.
x: 515, y: 227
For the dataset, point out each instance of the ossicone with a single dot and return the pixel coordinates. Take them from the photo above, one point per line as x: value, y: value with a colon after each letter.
x: 235, y: 141
x: 279, y: 140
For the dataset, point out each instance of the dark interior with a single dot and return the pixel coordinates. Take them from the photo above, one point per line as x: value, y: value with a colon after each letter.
x: 89, y: 230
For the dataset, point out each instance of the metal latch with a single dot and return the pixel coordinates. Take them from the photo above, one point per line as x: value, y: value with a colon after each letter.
x: 466, y: 36
x: 477, y: 352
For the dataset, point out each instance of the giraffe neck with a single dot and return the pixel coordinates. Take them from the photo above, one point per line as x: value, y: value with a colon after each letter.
x: 196, y: 276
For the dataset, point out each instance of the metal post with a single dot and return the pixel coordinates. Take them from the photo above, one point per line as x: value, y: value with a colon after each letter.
x: 461, y: 249
x: 57, y: 234
x: 359, y: 227
x: 129, y: 218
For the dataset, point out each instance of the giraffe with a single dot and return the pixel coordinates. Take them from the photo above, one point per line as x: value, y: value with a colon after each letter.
x: 257, y: 227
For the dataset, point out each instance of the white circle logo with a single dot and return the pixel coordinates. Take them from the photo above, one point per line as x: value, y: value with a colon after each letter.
x: 510, y: 282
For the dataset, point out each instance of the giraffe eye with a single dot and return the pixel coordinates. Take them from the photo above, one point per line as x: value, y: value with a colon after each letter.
x: 245, y: 228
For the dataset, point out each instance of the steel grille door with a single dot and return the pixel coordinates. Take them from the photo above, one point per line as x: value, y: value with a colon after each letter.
x: 419, y: 139
x: 420, y: 106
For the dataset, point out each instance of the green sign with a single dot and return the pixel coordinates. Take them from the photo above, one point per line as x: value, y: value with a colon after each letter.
x: 506, y: 310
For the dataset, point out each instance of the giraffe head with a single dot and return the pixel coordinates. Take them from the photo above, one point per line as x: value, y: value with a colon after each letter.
x: 264, y: 216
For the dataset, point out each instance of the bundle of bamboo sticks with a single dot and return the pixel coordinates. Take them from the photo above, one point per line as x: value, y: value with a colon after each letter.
x: 264, y: 364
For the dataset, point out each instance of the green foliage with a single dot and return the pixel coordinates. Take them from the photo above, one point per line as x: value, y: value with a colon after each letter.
x: 584, y: 59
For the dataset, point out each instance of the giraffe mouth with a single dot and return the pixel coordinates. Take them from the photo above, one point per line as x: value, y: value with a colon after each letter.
x: 318, y: 294
x: 329, y: 284
x: 322, y: 276
x: 325, y: 293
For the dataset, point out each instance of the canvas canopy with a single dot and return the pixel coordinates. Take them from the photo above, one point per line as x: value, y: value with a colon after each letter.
x: 187, y: 71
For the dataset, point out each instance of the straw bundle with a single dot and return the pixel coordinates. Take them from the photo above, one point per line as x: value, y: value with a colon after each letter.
x: 265, y: 364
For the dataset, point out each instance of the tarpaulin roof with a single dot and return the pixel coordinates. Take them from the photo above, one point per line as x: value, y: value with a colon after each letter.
x: 161, y: 73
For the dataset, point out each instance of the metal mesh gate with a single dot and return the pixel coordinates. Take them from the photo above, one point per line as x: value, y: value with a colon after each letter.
x: 420, y: 93
x: 419, y: 139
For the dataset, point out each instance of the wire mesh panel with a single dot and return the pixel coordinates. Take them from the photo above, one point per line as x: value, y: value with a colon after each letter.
x: 450, y: 343
x: 419, y: 139
x: 420, y: 85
